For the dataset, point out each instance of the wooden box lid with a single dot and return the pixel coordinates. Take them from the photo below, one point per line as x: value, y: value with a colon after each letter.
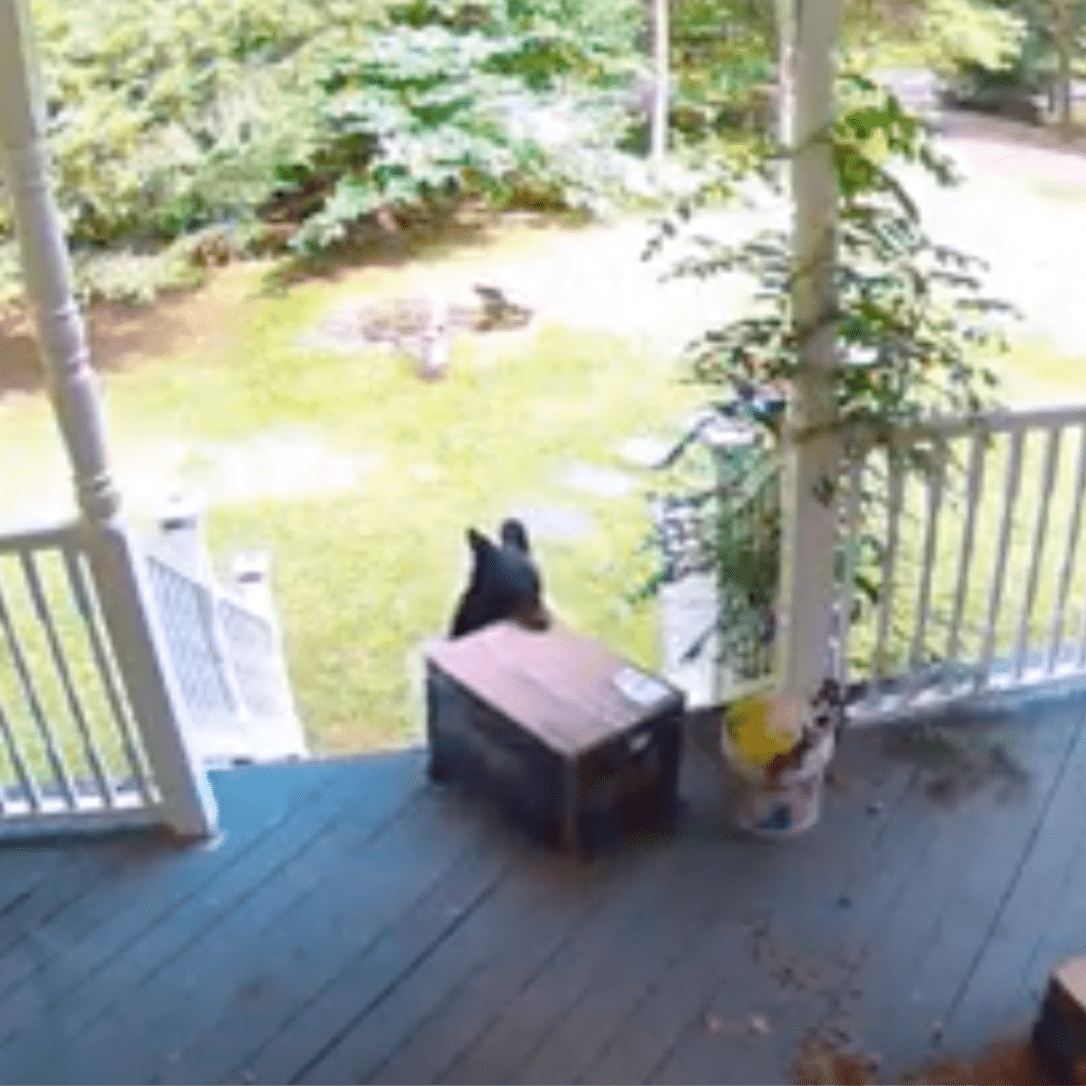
x: 569, y: 690
x: 1070, y: 976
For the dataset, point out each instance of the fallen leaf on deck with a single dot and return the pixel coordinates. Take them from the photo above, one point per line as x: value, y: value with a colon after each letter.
x: 758, y: 1025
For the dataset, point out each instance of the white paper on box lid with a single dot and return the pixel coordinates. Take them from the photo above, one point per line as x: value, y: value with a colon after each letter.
x: 640, y: 688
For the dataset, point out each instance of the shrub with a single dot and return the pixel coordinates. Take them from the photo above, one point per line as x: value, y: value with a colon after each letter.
x: 911, y: 321
x: 169, y: 119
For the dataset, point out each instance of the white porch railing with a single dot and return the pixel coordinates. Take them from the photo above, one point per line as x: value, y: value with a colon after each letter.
x: 122, y: 675
x: 69, y: 723
x: 979, y: 556
x: 227, y: 653
x: 983, y: 589
x: 72, y: 752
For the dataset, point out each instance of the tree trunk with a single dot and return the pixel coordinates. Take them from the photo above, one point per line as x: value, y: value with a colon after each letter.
x: 1064, y: 36
x: 658, y: 36
x: 786, y: 72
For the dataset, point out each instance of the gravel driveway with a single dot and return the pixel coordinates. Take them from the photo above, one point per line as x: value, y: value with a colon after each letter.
x: 1023, y: 208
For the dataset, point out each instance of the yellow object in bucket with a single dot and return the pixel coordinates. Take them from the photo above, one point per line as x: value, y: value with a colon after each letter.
x: 760, y: 728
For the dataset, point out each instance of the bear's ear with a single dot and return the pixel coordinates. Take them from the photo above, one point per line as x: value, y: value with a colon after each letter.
x: 514, y: 534
x: 477, y: 541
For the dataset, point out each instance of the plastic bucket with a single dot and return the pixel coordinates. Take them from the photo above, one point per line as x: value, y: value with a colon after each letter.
x: 785, y: 807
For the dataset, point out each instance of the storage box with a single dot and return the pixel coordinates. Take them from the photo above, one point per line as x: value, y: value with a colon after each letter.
x: 1060, y: 1033
x: 577, y: 744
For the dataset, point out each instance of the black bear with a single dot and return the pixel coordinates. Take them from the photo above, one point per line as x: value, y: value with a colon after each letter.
x: 505, y: 583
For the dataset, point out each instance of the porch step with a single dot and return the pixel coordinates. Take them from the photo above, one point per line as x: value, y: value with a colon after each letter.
x: 223, y: 634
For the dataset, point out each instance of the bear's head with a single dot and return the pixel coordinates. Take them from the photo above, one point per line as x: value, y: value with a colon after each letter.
x: 504, y: 584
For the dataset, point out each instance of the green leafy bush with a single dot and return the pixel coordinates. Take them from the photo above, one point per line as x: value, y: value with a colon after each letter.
x: 723, y: 56
x: 966, y: 33
x: 169, y: 119
x: 911, y: 324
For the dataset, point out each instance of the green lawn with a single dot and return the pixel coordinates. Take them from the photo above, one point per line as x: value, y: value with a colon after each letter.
x: 362, y: 575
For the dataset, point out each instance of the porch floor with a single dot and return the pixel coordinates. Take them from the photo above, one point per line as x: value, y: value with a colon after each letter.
x: 356, y: 923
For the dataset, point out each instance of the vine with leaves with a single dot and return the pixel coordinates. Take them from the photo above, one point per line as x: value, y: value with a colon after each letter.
x: 911, y: 322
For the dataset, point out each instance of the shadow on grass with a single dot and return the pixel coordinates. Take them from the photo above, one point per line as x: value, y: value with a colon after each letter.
x: 394, y: 250
x: 119, y: 333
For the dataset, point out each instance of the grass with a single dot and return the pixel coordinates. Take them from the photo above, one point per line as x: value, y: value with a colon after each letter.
x: 363, y: 575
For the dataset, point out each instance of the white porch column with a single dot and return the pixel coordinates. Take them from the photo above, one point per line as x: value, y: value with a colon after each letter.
x: 807, y: 551
x: 188, y: 804
x: 46, y: 268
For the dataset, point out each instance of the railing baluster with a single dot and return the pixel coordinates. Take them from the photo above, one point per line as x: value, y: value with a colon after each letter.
x: 935, y: 483
x: 769, y: 501
x: 71, y: 696
x: 82, y: 595
x: 973, y: 485
x: 889, y: 569
x: 1048, y: 478
x: 852, y: 543
x: 19, y: 764
x: 1074, y: 527
x: 1010, y: 495
x: 1081, y: 658
x: 26, y: 682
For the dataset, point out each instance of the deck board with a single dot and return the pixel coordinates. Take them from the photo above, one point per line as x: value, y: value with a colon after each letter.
x: 1025, y: 908
x: 532, y: 895
x: 947, y: 901
x: 357, y: 923
x: 370, y: 975
x: 310, y: 942
x: 495, y: 1053
x: 250, y: 881
x: 171, y: 998
x: 430, y: 1048
x: 330, y: 909
x: 974, y: 872
x: 150, y: 881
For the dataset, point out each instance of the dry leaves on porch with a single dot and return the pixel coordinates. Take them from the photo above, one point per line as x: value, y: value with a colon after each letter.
x: 1008, y: 1062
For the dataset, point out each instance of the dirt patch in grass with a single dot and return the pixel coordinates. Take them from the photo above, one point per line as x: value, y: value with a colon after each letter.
x: 202, y: 323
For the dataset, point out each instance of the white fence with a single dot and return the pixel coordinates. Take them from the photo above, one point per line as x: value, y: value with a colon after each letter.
x: 228, y: 658
x: 123, y: 674
x: 974, y: 560
x: 979, y: 558
x: 72, y: 752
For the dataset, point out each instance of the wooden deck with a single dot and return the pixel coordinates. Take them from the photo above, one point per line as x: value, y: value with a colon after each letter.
x: 356, y: 923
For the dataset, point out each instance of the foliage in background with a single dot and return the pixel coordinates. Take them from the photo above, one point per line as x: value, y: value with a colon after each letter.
x: 319, y: 117
x: 911, y: 323
x: 966, y: 33
x: 942, y: 35
x: 1041, y: 48
x: 252, y: 124
x: 722, y: 56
